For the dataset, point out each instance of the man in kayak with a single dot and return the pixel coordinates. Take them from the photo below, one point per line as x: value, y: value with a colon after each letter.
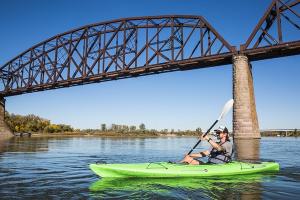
x: 219, y: 152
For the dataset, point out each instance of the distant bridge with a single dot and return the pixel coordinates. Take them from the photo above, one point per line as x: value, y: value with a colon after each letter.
x: 289, y: 129
x: 281, y: 132
x: 132, y: 47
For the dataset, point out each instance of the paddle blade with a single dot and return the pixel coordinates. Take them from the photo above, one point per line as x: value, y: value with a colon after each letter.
x: 226, y: 109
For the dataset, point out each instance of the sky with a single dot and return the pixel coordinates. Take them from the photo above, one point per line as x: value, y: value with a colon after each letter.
x: 177, y: 100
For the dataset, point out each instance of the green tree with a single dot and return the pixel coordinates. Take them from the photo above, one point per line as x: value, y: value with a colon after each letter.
x: 125, y: 128
x: 142, y: 127
x: 132, y: 128
x: 103, y: 127
x: 33, y: 123
x: 64, y: 128
x: 114, y: 127
x: 199, y: 130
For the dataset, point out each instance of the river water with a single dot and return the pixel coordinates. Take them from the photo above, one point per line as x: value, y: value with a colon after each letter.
x: 57, y: 168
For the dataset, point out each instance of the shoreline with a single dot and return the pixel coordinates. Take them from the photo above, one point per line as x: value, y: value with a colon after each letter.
x: 132, y: 135
x: 111, y: 135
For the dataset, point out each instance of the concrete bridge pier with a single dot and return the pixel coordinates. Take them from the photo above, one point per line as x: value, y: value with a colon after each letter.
x: 5, y: 132
x: 245, y: 123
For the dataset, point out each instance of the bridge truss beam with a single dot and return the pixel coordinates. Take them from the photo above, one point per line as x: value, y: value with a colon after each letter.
x: 114, y: 50
x: 273, y: 35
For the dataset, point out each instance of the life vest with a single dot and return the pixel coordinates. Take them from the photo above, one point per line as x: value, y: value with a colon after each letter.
x: 220, y: 156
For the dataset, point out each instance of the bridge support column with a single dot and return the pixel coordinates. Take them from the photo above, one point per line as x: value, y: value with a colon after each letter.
x: 245, y: 123
x: 5, y: 132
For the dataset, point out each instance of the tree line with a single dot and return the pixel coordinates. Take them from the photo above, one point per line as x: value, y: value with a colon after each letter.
x: 33, y: 123
x: 122, y: 128
x: 139, y: 130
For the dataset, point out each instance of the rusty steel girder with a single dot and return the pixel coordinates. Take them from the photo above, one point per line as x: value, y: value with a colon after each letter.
x: 271, y: 37
x: 113, y: 50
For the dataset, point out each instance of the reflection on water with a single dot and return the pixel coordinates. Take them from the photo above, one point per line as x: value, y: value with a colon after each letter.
x: 248, y: 149
x: 54, y: 168
x: 17, y: 144
x: 220, y: 188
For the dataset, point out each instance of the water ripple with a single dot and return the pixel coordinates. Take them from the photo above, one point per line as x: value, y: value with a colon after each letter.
x: 57, y: 168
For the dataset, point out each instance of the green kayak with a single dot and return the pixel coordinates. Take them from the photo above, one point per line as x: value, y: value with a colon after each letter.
x: 164, y: 169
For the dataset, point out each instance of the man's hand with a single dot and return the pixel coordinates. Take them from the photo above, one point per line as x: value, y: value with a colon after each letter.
x: 204, y: 138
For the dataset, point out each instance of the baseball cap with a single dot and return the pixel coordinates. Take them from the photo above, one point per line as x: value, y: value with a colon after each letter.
x: 221, y: 129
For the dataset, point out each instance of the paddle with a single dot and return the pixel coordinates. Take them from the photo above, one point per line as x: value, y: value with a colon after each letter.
x: 225, y: 110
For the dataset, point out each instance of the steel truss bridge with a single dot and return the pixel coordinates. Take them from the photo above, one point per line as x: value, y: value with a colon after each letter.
x: 141, y: 46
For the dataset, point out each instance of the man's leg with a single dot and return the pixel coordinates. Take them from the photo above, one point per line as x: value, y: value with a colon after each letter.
x: 189, y: 160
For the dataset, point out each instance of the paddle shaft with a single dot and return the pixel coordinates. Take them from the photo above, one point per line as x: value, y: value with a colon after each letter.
x: 202, y: 136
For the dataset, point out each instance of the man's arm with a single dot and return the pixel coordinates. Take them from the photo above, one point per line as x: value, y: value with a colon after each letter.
x: 214, y: 144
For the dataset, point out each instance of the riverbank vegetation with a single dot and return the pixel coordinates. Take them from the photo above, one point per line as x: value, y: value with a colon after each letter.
x: 141, y: 130
x: 36, y: 125
x: 39, y: 126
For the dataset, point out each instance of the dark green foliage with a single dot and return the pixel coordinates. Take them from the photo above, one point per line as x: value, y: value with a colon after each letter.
x: 103, y: 127
x: 142, y: 127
